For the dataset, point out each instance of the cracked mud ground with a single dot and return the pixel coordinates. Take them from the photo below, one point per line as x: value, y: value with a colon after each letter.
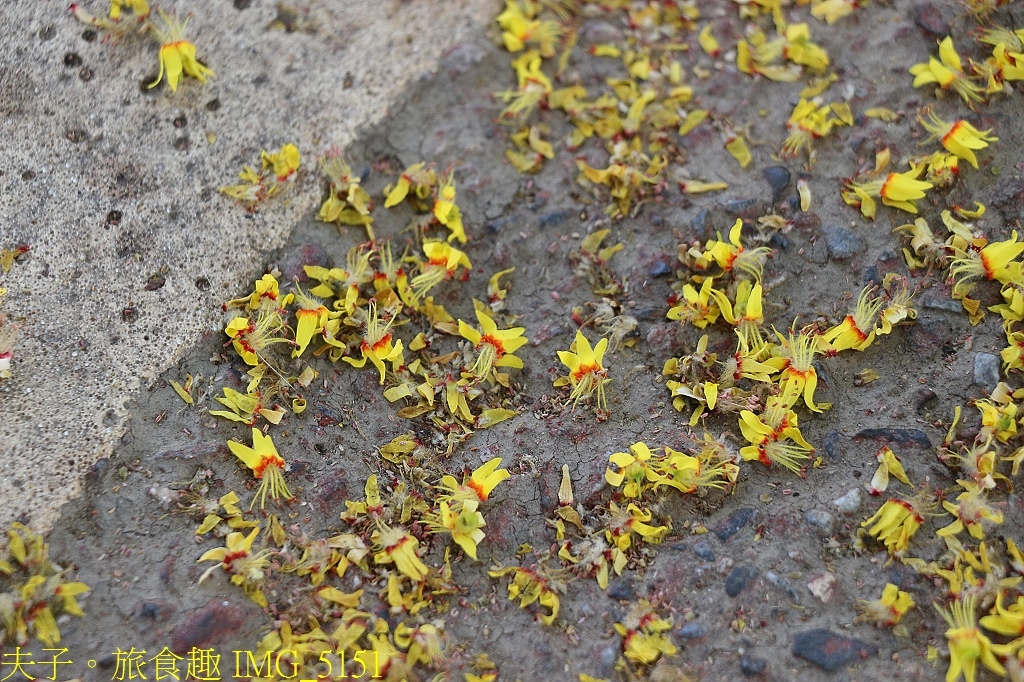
x: 738, y: 594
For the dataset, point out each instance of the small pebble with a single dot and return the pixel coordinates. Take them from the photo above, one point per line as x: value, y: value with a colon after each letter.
x: 622, y: 589
x: 842, y: 242
x: 820, y: 520
x: 693, y: 630
x: 850, y: 502
x: 986, y: 371
x: 783, y: 584
x: 823, y: 586
x: 752, y: 666
x: 739, y: 578
x: 904, y: 437
x: 702, y: 548
x: 778, y: 178
x: 929, y: 19
x: 659, y: 269
x: 831, y: 445
x: 733, y: 523
x: 830, y: 651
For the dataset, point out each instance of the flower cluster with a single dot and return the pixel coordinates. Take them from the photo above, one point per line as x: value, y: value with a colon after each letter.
x: 35, y: 591
x: 276, y: 174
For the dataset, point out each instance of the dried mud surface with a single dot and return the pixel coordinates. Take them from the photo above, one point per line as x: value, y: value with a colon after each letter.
x: 140, y: 558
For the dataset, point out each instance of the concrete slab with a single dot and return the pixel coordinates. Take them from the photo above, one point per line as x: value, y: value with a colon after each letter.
x: 114, y: 186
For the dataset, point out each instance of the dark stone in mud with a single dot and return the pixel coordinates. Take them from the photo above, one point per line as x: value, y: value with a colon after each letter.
x: 739, y: 578
x: 843, y: 243
x: 659, y: 269
x: 157, y: 610
x: 986, y: 371
x: 779, y: 241
x: 740, y: 207
x: 778, y: 178
x: 291, y: 265
x: 702, y: 548
x: 929, y: 19
x: 830, y: 651
x: 927, y: 335
x: 622, y: 589
x: 821, y: 521
x: 831, y: 445
x: 923, y: 396
x: 732, y: 523
x: 693, y: 630
x: 904, y: 437
x: 552, y: 218
x: 751, y: 665
x: 207, y: 625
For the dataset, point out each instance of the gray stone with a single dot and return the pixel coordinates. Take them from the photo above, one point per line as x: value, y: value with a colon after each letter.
x: 829, y: 650
x: 986, y: 371
x: 843, y: 243
x: 702, y: 548
x: 778, y: 178
x: 693, y: 630
x: 751, y: 665
x: 739, y: 578
x: 850, y: 502
x: 820, y: 520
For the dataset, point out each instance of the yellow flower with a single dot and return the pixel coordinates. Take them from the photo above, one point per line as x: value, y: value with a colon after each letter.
x: 587, y: 373
x: 177, y: 55
x: 633, y: 467
x: 774, y: 436
x: 423, y: 644
x: 958, y: 137
x: 623, y: 522
x: 284, y: 162
x: 463, y: 522
x: 237, y: 559
x: 711, y: 468
x: 699, y: 308
x: 347, y: 202
x: 886, y: 611
x: 1008, y: 622
x: 534, y: 86
x: 395, y: 545
x: 857, y: 330
x: 794, y: 357
x: 378, y: 345
x: 250, y: 338
x: 947, y: 72
x: 732, y: 255
x: 899, y: 190
x: 810, y: 121
x: 967, y: 644
x: 494, y: 347
x: 531, y: 586
x: 831, y: 11
x: 442, y: 262
x: 993, y: 262
x: 481, y: 483
x: 266, y: 465
x: 417, y: 179
x: 888, y: 463
x: 969, y: 512
x: 447, y: 212
x: 800, y: 50
x: 895, y: 523
x: 643, y: 633
x: 311, y: 316
x: 519, y: 28
x: 139, y: 8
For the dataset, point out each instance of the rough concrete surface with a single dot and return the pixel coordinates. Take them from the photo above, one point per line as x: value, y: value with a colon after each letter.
x: 112, y: 184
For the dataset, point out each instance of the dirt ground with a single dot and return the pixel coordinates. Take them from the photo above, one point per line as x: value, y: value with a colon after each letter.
x: 767, y: 540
